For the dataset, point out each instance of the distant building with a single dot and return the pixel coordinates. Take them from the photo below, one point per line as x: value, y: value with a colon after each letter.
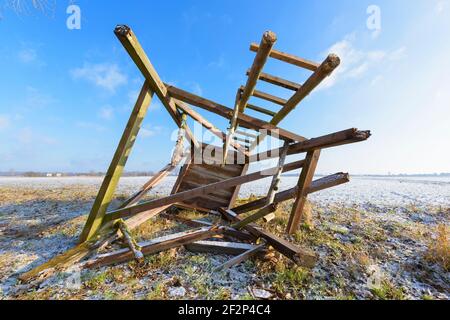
x: 49, y: 175
x: 59, y: 175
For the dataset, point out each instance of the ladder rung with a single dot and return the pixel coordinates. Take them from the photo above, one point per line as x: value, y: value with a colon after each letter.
x: 289, y: 58
x: 278, y: 81
x: 242, y: 140
x: 247, y: 134
x: 261, y: 110
x: 269, y: 97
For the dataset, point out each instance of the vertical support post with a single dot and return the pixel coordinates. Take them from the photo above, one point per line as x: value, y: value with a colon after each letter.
x: 304, y: 182
x: 106, y: 192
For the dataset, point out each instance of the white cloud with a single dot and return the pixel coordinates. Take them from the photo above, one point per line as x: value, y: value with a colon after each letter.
x: 36, y: 99
x: 441, y: 6
x: 197, y: 89
x: 90, y: 126
x: 104, y: 75
x: 106, y: 113
x: 28, y: 136
x: 355, y: 63
x: 27, y: 55
x: 4, y: 122
x: 148, y: 133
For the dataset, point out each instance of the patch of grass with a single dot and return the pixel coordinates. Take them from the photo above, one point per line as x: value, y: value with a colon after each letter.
x: 286, y: 277
x: 439, y: 247
x: 222, y: 294
x: 94, y: 281
x: 158, y: 293
x: 387, y: 291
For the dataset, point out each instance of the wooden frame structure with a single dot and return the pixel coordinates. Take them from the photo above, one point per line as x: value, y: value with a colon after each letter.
x: 211, y: 182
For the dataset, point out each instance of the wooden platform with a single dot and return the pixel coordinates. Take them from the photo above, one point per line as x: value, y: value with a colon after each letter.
x: 198, y: 175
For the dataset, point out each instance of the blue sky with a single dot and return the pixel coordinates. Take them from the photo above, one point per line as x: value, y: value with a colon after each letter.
x: 66, y: 94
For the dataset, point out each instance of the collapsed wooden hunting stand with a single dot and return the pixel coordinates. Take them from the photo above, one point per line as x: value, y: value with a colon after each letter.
x: 210, y: 178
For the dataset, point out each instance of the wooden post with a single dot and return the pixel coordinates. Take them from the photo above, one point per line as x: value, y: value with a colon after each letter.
x: 106, y: 192
x: 304, y: 183
x: 130, y: 42
x: 267, y: 42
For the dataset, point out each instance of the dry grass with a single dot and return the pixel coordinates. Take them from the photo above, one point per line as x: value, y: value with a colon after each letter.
x: 439, y: 247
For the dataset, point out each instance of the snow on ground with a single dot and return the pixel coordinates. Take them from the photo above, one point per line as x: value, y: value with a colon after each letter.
x: 418, y: 191
x: 381, y: 224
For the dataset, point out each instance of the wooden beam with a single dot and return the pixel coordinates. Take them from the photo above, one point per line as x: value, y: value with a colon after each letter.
x: 245, y: 121
x: 301, y: 256
x: 263, y: 52
x: 154, y: 246
x: 115, y: 170
x: 323, y: 142
x: 219, y: 247
x: 261, y: 110
x: 289, y: 58
x: 204, y: 190
x: 131, y: 44
x: 153, y: 182
x: 242, y: 257
x: 207, y: 125
x: 268, y: 209
x: 246, y: 134
x: 325, y: 69
x: 290, y: 85
x: 316, y: 186
x: 304, y: 183
x: 269, y: 97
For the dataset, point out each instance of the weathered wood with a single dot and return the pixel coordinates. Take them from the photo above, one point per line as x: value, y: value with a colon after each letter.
x: 218, y: 247
x: 115, y: 170
x: 232, y: 129
x: 289, y: 58
x: 207, y: 125
x: 269, y: 97
x: 316, y: 186
x: 242, y: 257
x: 244, y: 120
x: 154, y: 246
x: 183, y: 171
x: 204, y: 190
x: 85, y: 249
x: 246, y: 141
x: 323, y: 142
x: 263, y: 52
x: 274, y: 187
x: 131, y: 44
x: 301, y: 256
x: 153, y: 182
x: 304, y: 183
x: 268, y: 209
x: 237, y: 189
x: 325, y: 69
x: 246, y: 134
x: 261, y: 110
x: 290, y: 85
x: 130, y: 241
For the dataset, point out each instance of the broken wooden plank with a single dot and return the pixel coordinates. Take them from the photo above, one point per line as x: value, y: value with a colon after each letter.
x: 263, y: 52
x: 304, y: 182
x: 154, y: 246
x: 242, y: 257
x: 323, y: 142
x: 301, y: 256
x: 290, y: 85
x: 132, y: 245
x: 219, y: 247
x: 316, y: 186
x: 204, y: 190
x: 325, y: 69
x: 246, y: 134
x: 289, y: 58
x: 115, y: 170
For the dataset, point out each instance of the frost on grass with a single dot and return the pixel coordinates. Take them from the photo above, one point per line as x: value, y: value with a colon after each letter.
x: 377, y: 238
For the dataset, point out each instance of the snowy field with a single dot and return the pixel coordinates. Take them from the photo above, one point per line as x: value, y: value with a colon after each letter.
x: 417, y: 191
